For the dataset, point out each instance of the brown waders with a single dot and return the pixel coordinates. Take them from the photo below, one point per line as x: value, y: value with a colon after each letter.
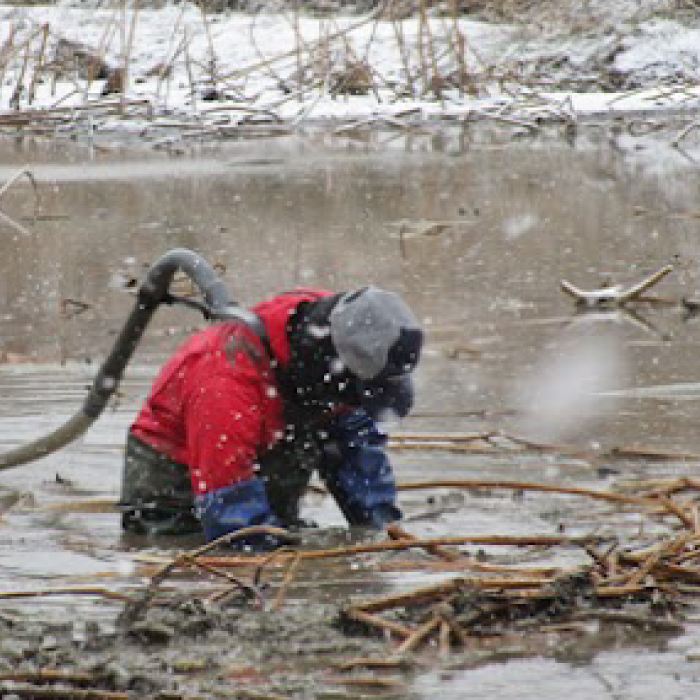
x: 156, y: 494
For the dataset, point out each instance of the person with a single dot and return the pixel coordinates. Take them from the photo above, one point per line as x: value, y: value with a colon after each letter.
x: 241, y: 416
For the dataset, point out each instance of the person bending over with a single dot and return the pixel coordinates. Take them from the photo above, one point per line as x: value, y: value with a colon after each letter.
x: 240, y: 417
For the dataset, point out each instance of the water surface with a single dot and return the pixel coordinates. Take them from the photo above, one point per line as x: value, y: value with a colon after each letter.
x: 476, y: 230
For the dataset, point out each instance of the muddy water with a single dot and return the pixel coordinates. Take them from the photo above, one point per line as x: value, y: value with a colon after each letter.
x: 475, y: 229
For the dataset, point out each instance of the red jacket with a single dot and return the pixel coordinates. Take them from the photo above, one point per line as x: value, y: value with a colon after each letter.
x: 215, y: 405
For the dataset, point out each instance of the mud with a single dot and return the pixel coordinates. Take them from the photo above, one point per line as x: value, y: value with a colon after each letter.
x: 186, y: 646
x: 476, y: 228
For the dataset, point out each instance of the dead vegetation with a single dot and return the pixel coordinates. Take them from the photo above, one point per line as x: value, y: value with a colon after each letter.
x: 49, y: 80
x: 643, y: 583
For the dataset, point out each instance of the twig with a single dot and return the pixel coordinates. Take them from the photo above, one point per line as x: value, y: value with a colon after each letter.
x: 47, y: 675
x: 38, y: 63
x: 252, y: 590
x: 292, y: 52
x: 418, y: 636
x: 418, y: 595
x: 370, y: 681
x: 375, y: 621
x: 66, y: 590
x: 676, y: 510
x: 11, y: 181
x: 464, y: 564
x: 132, y: 612
x: 525, y: 486
x: 644, y: 621
x: 484, y: 540
x: 444, y: 638
x: 351, y: 664
x: 38, y: 692
x: 395, y: 531
x: 127, y: 46
x: 14, y: 224
x: 615, y: 294
x: 669, y: 549
x: 288, y: 577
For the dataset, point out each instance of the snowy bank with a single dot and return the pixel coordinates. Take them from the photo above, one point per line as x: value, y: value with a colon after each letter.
x: 178, y: 66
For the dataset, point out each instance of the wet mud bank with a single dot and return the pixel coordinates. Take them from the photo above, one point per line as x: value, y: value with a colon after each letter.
x: 528, y: 409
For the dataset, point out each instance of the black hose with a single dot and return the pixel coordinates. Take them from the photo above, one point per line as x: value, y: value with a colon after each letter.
x: 151, y: 294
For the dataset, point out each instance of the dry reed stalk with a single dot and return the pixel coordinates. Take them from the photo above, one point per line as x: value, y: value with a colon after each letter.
x: 396, y: 532
x: 288, y: 578
x: 373, y: 548
x: 427, y: 438
x: 464, y: 564
x: 420, y: 46
x: 209, y: 569
x: 620, y: 591
x: 22, y: 172
x: 668, y: 550
x: 459, y: 632
x: 66, y: 590
x: 40, y: 692
x: 444, y: 639
x: 57, y: 113
x: 397, y: 26
x: 459, y: 45
x: 265, y: 63
x: 676, y: 572
x: 47, y: 675
x: 676, y: 510
x: 526, y: 486
x: 132, y: 612
x: 298, y: 44
x: 190, y: 75
x: 425, y: 594
x: 3, y: 190
x: 19, y: 84
x: 644, y: 621
x: 167, y: 69
x: 127, y: 51
x: 38, y: 63
x: 372, y: 663
x: 167, y: 64
x: 378, y: 622
x: 455, y: 448
x: 7, y: 53
x: 425, y: 630
x: 212, y: 61
x: 262, y: 61
x: 432, y: 80
x: 101, y: 51
x: 364, y: 59
x: 369, y: 682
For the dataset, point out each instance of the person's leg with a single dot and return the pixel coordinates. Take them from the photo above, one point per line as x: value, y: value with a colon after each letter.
x: 156, y: 493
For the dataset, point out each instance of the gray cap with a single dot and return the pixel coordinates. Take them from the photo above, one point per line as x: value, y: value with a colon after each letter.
x: 365, y: 324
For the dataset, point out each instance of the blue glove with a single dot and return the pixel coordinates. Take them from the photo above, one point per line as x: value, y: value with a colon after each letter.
x: 232, y: 508
x: 357, y: 471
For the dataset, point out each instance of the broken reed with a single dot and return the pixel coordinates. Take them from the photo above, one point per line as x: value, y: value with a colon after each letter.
x: 494, y: 600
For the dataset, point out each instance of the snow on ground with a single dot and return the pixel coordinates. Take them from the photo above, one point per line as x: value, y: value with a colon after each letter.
x: 177, y: 63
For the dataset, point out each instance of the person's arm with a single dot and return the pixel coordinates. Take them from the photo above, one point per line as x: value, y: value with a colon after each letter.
x: 358, y: 473
x: 225, y: 423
